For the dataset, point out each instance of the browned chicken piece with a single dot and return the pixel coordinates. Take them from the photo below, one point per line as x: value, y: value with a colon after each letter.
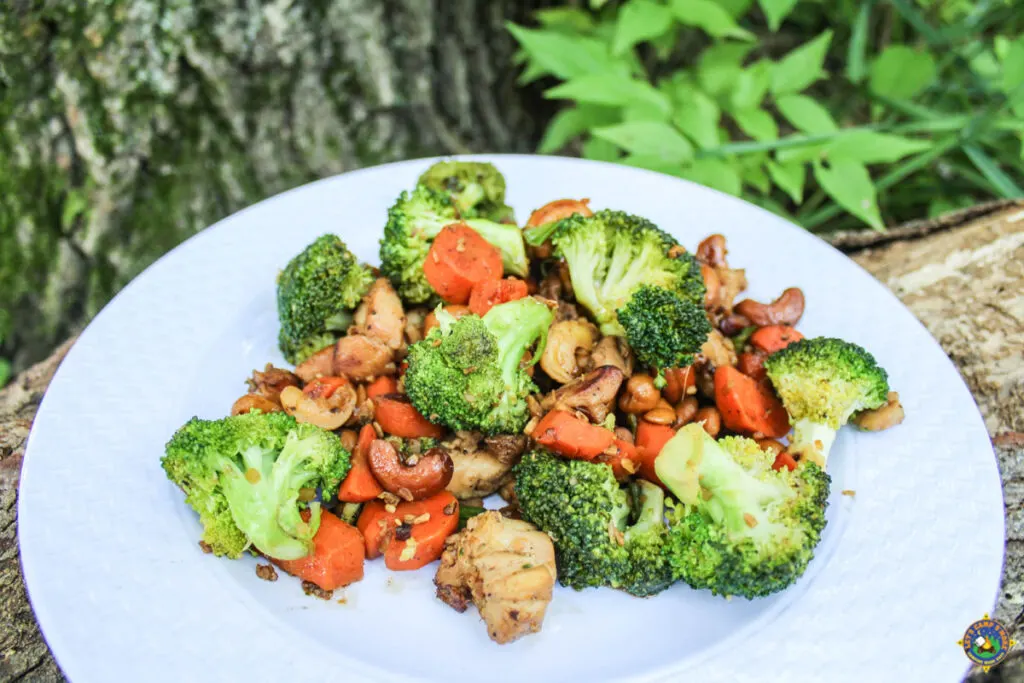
x: 613, y: 350
x: 320, y: 364
x: 506, y: 447
x: 271, y: 381
x: 733, y: 281
x: 593, y: 394
x: 478, y: 470
x: 360, y: 358
x: 718, y: 350
x: 506, y: 567
x: 381, y: 315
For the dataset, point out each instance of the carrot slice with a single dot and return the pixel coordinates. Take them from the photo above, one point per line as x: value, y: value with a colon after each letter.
x: 337, y: 557
x: 625, y: 461
x: 747, y: 406
x: 324, y: 387
x: 751, y: 364
x: 360, y: 485
x: 409, y: 546
x: 489, y: 293
x: 784, y: 459
x: 398, y: 417
x: 382, y: 385
x: 772, y: 338
x: 678, y: 382
x: 650, y: 439
x: 561, y: 432
x: 458, y: 259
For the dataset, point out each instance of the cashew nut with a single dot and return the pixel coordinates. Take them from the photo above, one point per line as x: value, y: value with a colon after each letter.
x: 251, y: 402
x: 565, y: 338
x: 786, y: 310
x: 612, y: 350
x: 712, y: 250
x: 889, y: 415
x: 429, y: 475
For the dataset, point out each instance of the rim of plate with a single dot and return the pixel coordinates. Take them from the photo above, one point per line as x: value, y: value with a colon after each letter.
x: 908, y: 562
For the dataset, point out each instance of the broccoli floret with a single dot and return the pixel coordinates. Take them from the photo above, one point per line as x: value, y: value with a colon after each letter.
x: 648, y: 570
x: 822, y: 382
x: 664, y: 329
x: 316, y: 294
x: 740, y: 527
x: 413, y: 223
x: 619, y: 265
x: 245, y: 475
x: 476, y: 188
x: 581, y: 506
x: 466, y: 374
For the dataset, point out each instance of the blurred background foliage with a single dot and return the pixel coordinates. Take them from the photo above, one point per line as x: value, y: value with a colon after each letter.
x: 128, y: 125
x: 835, y: 114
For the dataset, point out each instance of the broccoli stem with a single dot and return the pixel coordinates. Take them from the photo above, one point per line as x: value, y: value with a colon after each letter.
x: 812, y: 440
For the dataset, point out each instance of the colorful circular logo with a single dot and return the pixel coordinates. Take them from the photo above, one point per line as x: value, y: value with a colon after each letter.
x: 986, y: 642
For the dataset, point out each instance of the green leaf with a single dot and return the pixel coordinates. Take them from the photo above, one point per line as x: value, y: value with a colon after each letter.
x: 735, y: 8
x: 802, y: 66
x: 992, y: 172
x: 714, y: 173
x: 569, y: 123
x: 751, y: 85
x: 600, y: 150
x: 757, y: 123
x: 666, y: 43
x: 1001, y: 47
x: 639, y: 20
x: 806, y: 115
x: 710, y: 17
x: 697, y: 116
x: 849, y: 184
x: 869, y: 147
x: 753, y: 174
x: 611, y: 89
x: 75, y: 204
x: 776, y: 11
x: 648, y: 138
x: 644, y: 111
x: 1013, y: 66
x: 856, y: 53
x: 790, y: 178
x: 901, y: 72
x: 566, y: 56
x: 568, y: 19
x: 598, y: 4
x: 5, y: 371
x: 651, y: 163
x: 531, y: 72
x: 802, y: 154
x: 985, y: 65
x: 720, y: 67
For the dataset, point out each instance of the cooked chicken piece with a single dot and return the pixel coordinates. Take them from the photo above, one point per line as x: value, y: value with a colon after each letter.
x: 360, y: 357
x: 381, y: 316
x: 613, y: 351
x: 718, y: 350
x: 477, y: 473
x: 506, y: 567
x: 592, y: 394
x: 733, y: 281
x: 320, y: 364
x: 271, y: 381
x: 508, y: 493
x: 414, y: 320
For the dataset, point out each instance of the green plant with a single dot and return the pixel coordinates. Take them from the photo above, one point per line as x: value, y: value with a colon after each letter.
x: 833, y: 114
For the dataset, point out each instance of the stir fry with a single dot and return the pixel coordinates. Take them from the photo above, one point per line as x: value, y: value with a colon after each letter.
x: 641, y: 426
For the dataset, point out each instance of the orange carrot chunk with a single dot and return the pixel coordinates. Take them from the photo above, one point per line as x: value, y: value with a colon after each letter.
x: 458, y: 259
x: 324, y: 387
x: 650, y: 439
x: 624, y: 461
x: 382, y: 385
x: 488, y: 294
x: 560, y: 431
x: 784, y: 459
x: 772, y: 338
x: 360, y: 485
x: 398, y: 417
x: 337, y: 558
x: 747, y: 406
x: 678, y: 382
x: 409, y: 545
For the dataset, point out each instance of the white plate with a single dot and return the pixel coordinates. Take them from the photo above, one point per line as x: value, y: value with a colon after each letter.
x: 123, y: 592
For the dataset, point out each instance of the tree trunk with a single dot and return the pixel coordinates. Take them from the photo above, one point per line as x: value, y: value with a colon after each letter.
x: 961, y: 275
x: 129, y: 125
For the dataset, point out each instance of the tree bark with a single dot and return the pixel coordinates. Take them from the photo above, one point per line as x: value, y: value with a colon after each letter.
x: 129, y: 125
x: 962, y: 276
